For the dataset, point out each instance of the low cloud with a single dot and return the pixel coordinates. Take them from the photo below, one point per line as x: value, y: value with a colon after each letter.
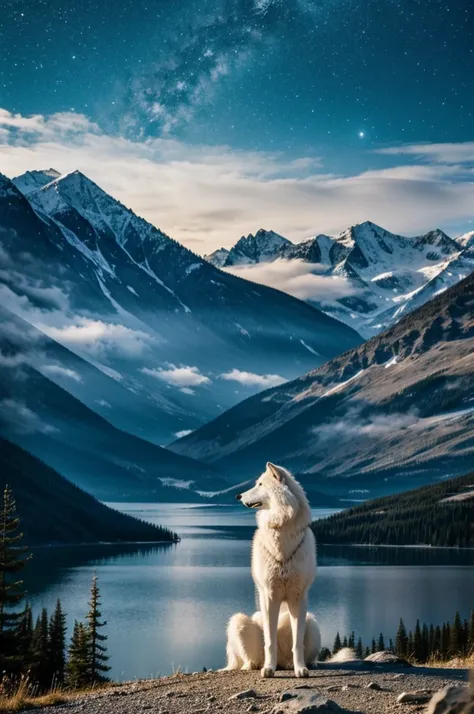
x: 20, y: 419
x: 184, y: 432
x: 100, y: 339
x: 303, y: 280
x: 355, y: 425
x: 250, y: 379
x: 55, y: 370
x: 184, y: 376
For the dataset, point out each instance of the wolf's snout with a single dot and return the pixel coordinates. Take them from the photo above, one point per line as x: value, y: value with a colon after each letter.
x: 239, y: 496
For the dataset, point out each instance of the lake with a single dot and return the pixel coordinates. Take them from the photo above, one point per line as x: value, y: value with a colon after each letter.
x: 167, y: 606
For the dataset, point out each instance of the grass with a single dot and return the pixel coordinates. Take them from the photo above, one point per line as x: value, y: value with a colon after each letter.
x: 452, y: 663
x: 24, y: 696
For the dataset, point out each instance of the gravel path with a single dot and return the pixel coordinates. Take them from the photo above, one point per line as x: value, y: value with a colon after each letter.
x: 211, y: 692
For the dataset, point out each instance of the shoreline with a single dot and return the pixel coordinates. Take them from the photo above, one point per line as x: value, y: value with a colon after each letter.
x: 103, y: 542
x: 390, y: 545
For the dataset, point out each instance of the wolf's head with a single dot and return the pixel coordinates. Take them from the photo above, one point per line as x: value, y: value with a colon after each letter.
x: 278, y: 497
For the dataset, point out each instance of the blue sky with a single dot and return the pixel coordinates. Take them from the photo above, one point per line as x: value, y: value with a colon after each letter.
x: 292, y: 99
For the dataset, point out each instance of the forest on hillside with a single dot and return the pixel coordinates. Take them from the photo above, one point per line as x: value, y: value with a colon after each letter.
x: 433, y: 515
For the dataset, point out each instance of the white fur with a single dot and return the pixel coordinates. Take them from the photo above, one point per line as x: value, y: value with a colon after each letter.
x: 245, y: 648
x: 345, y: 654
x: 283, y: 562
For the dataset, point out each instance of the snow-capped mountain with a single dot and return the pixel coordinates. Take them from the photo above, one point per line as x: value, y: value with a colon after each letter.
x: 181, y: 336
x: 386, y: 275
x: 391, y: 414
x: 32, y: 180
x: 258, y: 248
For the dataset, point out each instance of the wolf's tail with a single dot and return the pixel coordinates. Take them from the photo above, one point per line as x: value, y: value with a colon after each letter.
x: 346, y: 654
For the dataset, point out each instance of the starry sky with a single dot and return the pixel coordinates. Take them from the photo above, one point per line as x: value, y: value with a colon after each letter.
x: 338, y: 83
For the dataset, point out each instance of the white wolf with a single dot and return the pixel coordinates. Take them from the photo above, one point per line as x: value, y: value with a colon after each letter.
x: 283, y: 568
x: 245, y: 643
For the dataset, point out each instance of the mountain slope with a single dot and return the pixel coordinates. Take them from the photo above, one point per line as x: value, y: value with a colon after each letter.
x: 395, y: 412
x: 386, y: 275
x: 53, y: 510
x: 441, y: 514
x: 261, y: 247
x: 132, y: 301
x: 42, y: 417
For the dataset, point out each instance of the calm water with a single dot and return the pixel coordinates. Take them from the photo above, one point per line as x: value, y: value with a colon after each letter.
x: 167, y: 606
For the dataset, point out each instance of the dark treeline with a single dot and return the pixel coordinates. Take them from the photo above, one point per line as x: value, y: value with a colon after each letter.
x: 35, y: 651
x: 420, y: 517
x: 425, y: 642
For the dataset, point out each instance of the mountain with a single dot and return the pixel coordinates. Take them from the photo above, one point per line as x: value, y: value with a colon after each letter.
x: 177, y: 333
x: 258, y: 248
x: 39, y: 414
x: 391, y: 414
x: 386, y: 275
x: 441, y: 514
x: 53, y: 510
x: 32, y: 180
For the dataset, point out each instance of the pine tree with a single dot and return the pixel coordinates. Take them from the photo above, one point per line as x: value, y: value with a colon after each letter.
x: 366, y: 652
x: 77, y: 668
x: 470, y: 639
x: 98, y: 656
x: 417, y: 643
x: 345, y: 642
x: 12, y: 560
x: 359, y: 650
x: 25, y: 635
x: 381, y: 643
x: 390, y: 645
x: 40, y: 652
x: 57, y: 644
x: 351, y: 640
x: 456, y: 636
x: 337, y: 643
x: 401, y: 640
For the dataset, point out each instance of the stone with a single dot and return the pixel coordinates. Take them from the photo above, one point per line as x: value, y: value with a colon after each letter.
x: 350, y: 685
x: 419, y: 696
x: 454, y: 699
x: 374, y: 685
x: 387, y: 657
x: 253, y: 708
x: 300, y: 701
x: 246, y: 694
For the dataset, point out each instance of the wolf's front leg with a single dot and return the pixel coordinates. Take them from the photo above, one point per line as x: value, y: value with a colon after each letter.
x: 298, y: 609
x: 270, y: 613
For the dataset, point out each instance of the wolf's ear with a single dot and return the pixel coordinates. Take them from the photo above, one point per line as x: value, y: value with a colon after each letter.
x: 276, y: 472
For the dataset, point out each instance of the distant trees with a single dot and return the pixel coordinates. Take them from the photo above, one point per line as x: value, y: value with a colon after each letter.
x: 451, y: 639
x: 416, y: 517
x: 39, y: 651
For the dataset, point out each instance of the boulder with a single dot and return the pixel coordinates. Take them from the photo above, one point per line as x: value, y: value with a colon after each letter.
x: 300, y: 701
x: 454, y: 699
x: 419, y: 696
x: 387, y: 657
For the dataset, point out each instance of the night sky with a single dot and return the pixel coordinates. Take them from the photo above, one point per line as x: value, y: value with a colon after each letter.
x: 333, y: 79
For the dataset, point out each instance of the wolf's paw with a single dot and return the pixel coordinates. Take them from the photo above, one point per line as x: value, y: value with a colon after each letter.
x: 301, y: 672
x: 248, y: 666
x: 267, y: 672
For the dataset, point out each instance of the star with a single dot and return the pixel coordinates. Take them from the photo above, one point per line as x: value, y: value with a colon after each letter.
x: 361, y: 134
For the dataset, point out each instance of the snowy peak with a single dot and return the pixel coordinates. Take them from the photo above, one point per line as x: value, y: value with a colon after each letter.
x: 7, y: 187
x: 262, y: 247
x: 32, y: 180
x: 466, y: 240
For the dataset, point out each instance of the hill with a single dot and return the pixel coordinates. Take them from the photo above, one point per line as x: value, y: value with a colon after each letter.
x: 389, y: 415
x: 54, y: 511
x: 441, y: 514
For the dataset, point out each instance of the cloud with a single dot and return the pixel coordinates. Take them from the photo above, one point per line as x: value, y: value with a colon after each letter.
x: 20, y: 419
x: 57, y: 371
x: 354, y: 424
x: 184, y: 376
x: 251, y: 188
x: 103, y: 403
x: 296, y: 277
x: 184, y: 432
x: 99, y: 339
x: 449, y: 153
x: 250, y: 379
x: 12, y: 360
